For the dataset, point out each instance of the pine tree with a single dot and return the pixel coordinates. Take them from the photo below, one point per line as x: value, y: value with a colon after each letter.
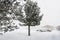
x: 32, y: 17
x: 8, y: 10
x: 14, y: 10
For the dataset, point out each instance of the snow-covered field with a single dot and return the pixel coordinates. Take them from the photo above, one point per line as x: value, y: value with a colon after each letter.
x: 21, y: 34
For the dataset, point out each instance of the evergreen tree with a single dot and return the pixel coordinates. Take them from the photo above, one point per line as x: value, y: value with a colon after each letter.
x: 8, y: 10
x: 32, y: 17
x: 14, y: 10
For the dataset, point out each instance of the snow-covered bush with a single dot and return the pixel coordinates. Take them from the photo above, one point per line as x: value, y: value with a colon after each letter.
x: 46, y: 28
x: 58, y: 28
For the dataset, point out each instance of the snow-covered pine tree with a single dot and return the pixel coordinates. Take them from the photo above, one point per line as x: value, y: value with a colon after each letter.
x: 9, y: 10
x: 32, y: 12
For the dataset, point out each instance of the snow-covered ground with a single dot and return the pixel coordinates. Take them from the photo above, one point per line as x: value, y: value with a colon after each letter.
x: 22, y: 34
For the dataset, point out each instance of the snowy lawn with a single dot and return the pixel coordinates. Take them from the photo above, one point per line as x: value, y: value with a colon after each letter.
x: 21, y: 34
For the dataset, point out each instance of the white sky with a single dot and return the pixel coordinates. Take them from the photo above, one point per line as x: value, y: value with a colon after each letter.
x: 50, y: 9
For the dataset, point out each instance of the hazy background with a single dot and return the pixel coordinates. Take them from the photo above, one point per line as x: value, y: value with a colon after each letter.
x: 51, y: 11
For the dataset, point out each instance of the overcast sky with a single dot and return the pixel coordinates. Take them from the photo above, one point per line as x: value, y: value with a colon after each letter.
x: 51, y: 11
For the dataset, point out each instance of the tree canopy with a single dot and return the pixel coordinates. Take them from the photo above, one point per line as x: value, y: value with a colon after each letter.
x: 12, y: 10
x: 32, y: 12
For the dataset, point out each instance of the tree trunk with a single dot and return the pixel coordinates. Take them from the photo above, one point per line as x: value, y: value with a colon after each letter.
x: 28, y: 30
